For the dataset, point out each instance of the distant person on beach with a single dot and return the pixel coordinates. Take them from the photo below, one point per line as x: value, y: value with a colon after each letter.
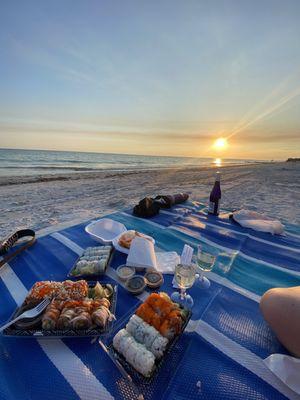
x: 281, y: 309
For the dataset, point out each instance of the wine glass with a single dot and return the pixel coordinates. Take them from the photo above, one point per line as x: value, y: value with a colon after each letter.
x: 185, y: 277
x: 205, y: 262
x: 224, y: 261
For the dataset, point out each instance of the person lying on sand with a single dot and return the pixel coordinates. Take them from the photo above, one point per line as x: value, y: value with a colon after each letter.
x: 281, y: 309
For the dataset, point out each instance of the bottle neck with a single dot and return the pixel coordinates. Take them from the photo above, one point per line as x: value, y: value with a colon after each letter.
x: 218, y: 177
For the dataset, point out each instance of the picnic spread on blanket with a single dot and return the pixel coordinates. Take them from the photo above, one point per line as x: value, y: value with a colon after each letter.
x: 117, y: 327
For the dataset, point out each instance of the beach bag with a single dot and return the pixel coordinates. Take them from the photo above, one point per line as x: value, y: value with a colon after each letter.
x: 146, y: 208
x: 167, y: 201
x: 149, y: 207
x: 12, y: 240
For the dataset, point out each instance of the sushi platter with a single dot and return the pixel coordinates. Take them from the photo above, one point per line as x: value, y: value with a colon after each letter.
x: 92, y: 263
x: 150, y: 334
x: 77, y: 309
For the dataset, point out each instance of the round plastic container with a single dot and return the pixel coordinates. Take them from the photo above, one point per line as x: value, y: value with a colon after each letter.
x: 136, y: 284
x: 154, y: 279
x: 124, y: 272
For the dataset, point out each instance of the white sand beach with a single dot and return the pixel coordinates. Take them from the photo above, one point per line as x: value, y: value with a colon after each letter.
x: 44, y: 200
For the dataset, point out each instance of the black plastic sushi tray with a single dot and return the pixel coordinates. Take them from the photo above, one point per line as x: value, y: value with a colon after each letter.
x: 38, y: 332
x: 173, y: 348
x: 90, y: 277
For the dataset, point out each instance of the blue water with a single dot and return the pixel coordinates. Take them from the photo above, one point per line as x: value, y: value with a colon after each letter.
x: 14, y: 162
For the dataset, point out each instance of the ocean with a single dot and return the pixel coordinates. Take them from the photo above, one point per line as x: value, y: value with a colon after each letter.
x: 15, y: 162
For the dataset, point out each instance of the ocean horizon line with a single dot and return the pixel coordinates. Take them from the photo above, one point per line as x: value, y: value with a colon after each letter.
x: 142, y: 155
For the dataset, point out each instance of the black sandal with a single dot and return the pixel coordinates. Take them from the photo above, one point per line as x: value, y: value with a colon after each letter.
x: 10, y: 241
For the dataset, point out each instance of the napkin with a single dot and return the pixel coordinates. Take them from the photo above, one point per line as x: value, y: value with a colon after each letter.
x: 258, y: 222
x: 167, y: 261
x: 286, y: 368
x: 141, y: 254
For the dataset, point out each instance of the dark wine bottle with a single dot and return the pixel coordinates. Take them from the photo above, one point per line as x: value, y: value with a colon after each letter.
x: 215, y: 197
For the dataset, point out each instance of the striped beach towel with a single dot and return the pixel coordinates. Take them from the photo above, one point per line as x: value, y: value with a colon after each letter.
x: 219, y: 356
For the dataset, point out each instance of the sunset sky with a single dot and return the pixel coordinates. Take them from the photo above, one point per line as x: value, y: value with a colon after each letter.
x: 151, y: 77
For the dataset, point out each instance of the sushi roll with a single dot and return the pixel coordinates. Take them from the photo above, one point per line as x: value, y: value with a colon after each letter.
x: 102, y: 252
x: 160, y: 304
x: 152, y: 334
x: 89, y: 258
x: 135, y: 353
x: 82, y: 321
x: 144, y: 361
x: 147, y: 335
x: 90, y: 253
x: 148, y: 315
x: 133, y: 323
x: 118, y: 338
x: 172, y: 325
x: 50, y: 317
x: 101, y: 302
x: 101, y: 316
x: 159, y: 346
x: 66, y: 316
x: 82, y: 263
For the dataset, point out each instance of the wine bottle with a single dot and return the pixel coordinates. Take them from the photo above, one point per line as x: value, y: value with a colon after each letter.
x: 215, y: 196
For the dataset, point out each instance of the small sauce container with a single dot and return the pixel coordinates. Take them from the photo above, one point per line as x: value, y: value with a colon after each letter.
x: 125, y: 272
x: 154, y: 279
x: 136, y: 284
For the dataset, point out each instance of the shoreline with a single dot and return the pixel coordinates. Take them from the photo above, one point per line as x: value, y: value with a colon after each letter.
x: 47, y: 201
x: 104, y: 173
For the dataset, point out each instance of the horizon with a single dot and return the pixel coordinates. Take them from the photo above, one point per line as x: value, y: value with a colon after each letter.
x: 157, y: 79
x: 142, y: 155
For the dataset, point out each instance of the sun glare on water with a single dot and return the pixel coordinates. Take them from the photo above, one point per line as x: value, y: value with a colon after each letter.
x: 220, y: 144
x: 218, y: 162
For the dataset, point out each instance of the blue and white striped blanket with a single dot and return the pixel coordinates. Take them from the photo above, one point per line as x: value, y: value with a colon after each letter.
x: 220, y: 355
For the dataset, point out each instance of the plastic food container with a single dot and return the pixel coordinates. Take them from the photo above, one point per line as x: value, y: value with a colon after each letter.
x: 32, y: 328
x: 105, y: 230
x: 136, y: 284
x: 122, y: 249
x: 154, y: 279
x: 125, y: 272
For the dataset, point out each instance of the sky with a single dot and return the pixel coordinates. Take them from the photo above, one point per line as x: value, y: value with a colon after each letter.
x: 151, y: 77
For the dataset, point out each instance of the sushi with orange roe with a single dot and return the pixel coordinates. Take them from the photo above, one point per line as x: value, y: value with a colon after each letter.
x: 145, y: 312
x: 161, y: 313
x: 160, y: 305
x: 172, y: 325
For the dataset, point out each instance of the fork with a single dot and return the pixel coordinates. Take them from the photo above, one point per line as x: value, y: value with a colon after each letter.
x: 33, y: 312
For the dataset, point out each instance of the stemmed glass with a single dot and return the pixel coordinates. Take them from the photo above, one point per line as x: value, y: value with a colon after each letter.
x: 185, y: 278
x: 205, y: 262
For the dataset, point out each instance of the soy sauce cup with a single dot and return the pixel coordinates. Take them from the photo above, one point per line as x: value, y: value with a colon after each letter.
x: 136, y: 284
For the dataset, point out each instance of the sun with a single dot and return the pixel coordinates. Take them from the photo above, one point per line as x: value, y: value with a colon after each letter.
x: 220, y: 144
